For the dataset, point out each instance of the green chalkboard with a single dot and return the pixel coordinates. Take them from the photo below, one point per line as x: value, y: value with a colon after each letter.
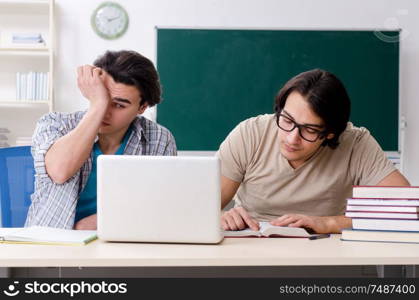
x: 213, y: 79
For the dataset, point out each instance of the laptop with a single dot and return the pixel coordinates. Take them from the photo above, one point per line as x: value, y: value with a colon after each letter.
x: 167, y: 199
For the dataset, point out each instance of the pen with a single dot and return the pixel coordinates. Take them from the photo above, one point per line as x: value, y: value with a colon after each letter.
x: 319, y: 236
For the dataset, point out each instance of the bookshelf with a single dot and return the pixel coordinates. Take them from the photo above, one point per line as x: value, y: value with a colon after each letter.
x: 28, y: 63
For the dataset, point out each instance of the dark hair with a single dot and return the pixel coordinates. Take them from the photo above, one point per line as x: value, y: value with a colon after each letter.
x: 131, y: 68
x: 327, y: 97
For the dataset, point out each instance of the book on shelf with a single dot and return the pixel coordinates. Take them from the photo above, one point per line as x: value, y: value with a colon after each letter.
x: 386, y: 224
x: 32, y: 86
x: 381, y: 208
x: 268, y: 230
x: 22, y: 40
x: 382, y: 215
x: 386, y: 192
x: 27, y: 38
x: 46, y: 236
x: 379, y: 236
x: 3, y: 137
x: 383, y: 202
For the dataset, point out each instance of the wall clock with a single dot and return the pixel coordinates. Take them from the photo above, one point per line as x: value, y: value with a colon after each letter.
x: 110, y: 20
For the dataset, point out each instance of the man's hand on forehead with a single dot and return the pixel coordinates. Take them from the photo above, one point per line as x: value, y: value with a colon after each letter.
x: 92, y: 82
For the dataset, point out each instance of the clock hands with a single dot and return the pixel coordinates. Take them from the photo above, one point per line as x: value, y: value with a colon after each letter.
x: 111, y: 19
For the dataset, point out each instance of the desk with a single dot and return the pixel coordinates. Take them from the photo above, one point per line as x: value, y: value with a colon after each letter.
x: 231, y: 252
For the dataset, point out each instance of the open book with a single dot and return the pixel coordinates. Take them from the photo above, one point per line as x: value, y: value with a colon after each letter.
x: 268, y: 230
x: 46, y: 235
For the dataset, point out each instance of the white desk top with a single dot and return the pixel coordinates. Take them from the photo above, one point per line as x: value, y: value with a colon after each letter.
x: 231, y: 252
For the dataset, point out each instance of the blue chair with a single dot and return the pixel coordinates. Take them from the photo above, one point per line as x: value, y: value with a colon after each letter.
x: 16, y: 185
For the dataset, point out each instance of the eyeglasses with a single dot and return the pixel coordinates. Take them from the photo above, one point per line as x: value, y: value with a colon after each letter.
x: 306, y: 132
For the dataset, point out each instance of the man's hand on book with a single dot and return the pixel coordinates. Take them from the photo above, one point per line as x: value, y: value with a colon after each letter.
x: 238, y: 218
x: 88, y: 223
x: 317, y: 224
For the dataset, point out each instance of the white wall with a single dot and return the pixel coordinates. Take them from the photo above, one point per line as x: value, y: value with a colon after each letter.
x: 77, y: 43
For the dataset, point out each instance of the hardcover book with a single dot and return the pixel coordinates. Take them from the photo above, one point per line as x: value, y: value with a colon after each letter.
x: 382, y: 215
x: 380, y: 236
x: 385, y: 224
x: 385, y: 192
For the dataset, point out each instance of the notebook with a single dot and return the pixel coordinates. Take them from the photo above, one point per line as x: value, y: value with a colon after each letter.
x: 46, y: 235
x: 166, y: 199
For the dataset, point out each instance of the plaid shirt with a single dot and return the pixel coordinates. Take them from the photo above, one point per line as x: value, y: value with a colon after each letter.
x: 53, y: 204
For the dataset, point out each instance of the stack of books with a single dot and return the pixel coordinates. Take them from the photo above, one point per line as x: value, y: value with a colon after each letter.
x: 3, y: 137
x: 32, y: 86
x: 383, y: 214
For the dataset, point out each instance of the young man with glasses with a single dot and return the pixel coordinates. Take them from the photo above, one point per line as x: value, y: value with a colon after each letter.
x: 297, y: 167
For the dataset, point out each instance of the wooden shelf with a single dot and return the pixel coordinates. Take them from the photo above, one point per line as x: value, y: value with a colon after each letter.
x: 24, y: 2
x: 18, y: 59
x: 23, y: 103
x: 22, y: 6
x: 24, y: 51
